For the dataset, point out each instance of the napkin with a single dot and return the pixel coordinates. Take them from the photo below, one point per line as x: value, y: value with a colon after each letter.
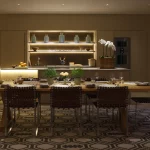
x: 90, y: 85
x: 107, y: 85
x: 142, y: 83
x: 44, y: 85
x: 43, y: 80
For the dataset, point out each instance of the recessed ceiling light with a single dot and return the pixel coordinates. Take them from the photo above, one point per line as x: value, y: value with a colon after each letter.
x: 62, y: 4
x: 18, y: 4
x: 107, y: 4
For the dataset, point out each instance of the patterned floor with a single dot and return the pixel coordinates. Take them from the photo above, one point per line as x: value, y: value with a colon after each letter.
x: 66, y: 135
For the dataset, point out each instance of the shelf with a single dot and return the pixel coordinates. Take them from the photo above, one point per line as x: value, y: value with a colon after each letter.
x: 61, y: 52
x: 61, y: 44
x: 48, y: 52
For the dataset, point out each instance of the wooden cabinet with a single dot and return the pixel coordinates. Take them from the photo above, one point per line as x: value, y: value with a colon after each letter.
x: 50, y: 53
x: 12, y: 48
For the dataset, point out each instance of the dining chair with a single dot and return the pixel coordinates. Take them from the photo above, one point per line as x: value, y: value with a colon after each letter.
x: 20, y: 97
x: 112, y: 97
x: 139, y: 100
x: 66, y: 97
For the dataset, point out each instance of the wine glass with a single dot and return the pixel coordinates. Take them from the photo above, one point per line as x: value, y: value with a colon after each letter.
x: 121, y: 77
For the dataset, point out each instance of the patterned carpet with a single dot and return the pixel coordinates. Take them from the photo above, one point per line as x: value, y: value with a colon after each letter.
x: 66, y: 135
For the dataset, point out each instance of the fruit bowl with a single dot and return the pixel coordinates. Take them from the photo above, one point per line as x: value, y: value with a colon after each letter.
x: 20, y: 81
x: 35, y: 48
x: 1, y: 81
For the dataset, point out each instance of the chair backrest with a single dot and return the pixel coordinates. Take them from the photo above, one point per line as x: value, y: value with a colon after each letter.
x: 112, y: 96
x: 65, y: 97
x: 20, y: 97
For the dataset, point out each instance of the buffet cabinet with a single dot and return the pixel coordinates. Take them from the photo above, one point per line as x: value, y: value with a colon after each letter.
x: 47, y: 47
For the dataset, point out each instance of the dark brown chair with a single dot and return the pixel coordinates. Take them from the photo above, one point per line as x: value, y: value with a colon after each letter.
x: 111, y: 97
x: 66, y: 97
x: 20, y: 97
x: 139, y: 100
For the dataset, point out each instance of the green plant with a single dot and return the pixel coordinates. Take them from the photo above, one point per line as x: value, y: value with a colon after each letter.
x: 77, y: 73
x: 50, y: 73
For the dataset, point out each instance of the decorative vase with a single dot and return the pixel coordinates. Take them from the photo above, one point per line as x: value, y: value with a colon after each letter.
x: 76, y: 39
x: 65, y: 81
x: 61, y: 38
x: 88, y: 39
x: 107, y: 63
x: 50, y: 81
x: 33, y: 38
x: 46, y: 38
x: 77, y: 81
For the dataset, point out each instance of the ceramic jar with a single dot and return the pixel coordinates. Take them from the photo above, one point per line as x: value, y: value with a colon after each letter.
x: 46, y: 38
x: 61, y: 38
x: 33, y: 38
x: 76, y: 39
x: 88, y: 39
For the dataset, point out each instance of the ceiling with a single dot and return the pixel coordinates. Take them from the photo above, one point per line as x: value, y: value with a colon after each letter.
x: 74, y: 6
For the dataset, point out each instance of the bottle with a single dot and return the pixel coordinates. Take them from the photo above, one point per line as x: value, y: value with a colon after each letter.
x: 76, y: 39
x: 88, y: 39
x: 33, y: 38
x: 61, y: 38
x: 46, y: 38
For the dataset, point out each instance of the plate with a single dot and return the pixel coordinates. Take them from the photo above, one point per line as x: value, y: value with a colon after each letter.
x: 23, y: 85
x: 21, y: 67
x: 101, y: 81
x: 142, y: 83
x: 60, y: 85
x: 107, y: 85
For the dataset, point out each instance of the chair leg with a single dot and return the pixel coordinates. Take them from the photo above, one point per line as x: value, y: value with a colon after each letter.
x: 18, y: 113
x: 6, y: 121
x: 97, y: 120
x: 136, y: 114
x: 35, y: 121
x: 80, y: 120
x: 52, y: 120
x: 126, y: 121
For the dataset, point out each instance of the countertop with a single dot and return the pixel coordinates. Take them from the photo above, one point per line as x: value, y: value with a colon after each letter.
x: 64, y: 67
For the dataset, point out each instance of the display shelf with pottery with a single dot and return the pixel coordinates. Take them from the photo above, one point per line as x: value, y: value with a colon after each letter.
x: 73, y: 43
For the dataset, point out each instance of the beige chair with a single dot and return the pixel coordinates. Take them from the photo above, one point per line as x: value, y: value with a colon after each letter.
x: 66, y: 97
x: 20, y: 97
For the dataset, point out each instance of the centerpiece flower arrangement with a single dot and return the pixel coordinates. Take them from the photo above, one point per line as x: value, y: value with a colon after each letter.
x: 107, y: 45
x: 50, y: 74
x: 64, y: 75
x: 107, y: 61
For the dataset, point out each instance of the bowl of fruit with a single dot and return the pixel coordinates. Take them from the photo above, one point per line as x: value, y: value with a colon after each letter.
x: 22, y: 65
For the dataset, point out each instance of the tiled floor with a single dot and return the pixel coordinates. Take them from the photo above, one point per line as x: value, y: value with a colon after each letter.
x: 67, y: 137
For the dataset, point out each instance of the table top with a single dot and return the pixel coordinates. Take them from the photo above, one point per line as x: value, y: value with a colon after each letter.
x: 131, y: 86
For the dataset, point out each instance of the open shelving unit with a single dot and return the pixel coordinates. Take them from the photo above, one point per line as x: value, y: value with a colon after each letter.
x: 49, y: 53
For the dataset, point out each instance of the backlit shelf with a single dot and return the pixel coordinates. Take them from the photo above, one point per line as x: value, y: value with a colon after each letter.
x: 60, y: 51
x: 61, y: 44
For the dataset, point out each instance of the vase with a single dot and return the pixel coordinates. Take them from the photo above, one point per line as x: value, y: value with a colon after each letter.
x: 77, y: 81
x: 65, y: 81
x: 61, y: 38
x: 33, y: 38
x: 46, y: 38
x: 88, y: 39
x: 76, y: 39
x: 50, y: 81
x: 107, y: 63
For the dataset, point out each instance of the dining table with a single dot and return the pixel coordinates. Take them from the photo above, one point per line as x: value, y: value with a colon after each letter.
x: 132, y: 87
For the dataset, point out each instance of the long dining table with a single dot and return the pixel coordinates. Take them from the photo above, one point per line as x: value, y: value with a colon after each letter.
x: 85, y: 90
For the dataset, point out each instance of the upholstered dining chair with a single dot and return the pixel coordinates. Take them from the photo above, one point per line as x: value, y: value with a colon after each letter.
x: 139, y: 100
x: 66, y: 97
x: 20, y: 97
x: 112, y: 97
